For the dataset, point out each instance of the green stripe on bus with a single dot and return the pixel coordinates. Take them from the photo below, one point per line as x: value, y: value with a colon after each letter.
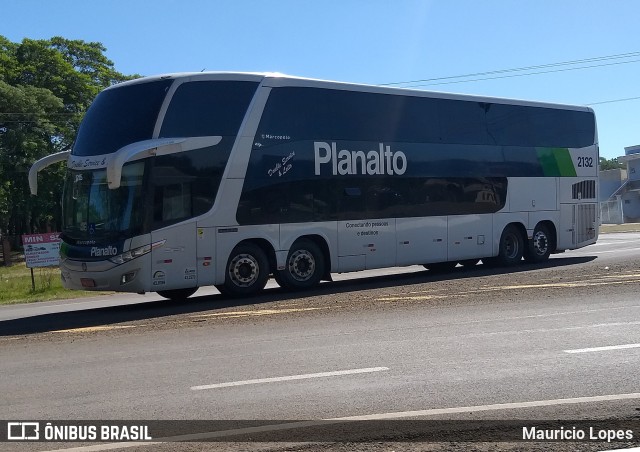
x: 556, y: 162
x: 548, y: 162
x: 565, y: 163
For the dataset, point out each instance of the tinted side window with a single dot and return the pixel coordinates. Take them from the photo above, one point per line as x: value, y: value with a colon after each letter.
x: 359, y: 198
x: 563, y: 128
x: 463, y: 122
x: 211, y: 108
x: 185, y: 184
x: 313, y: 113
x: 516, y: 125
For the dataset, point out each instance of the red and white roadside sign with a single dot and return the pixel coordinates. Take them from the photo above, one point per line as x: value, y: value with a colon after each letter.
x: 42, y: 250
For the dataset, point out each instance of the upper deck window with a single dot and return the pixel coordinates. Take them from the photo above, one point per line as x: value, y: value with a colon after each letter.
x: 318, y: 113
x: 120, y: 116
x: 208, y: 108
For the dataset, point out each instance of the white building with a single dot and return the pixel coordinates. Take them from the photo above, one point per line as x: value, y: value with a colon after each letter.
x: 610, y: 182
x: 626, y: 198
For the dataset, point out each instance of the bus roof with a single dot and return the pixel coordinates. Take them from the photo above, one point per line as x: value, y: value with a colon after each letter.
x: 275, y: 79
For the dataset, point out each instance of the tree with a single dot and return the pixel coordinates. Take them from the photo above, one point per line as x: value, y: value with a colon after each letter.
x: 26, y: 131
x: 610, y: 164
x: 46, y: 87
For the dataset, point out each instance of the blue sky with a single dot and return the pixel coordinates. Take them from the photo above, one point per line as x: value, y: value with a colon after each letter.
x: 373, y: 41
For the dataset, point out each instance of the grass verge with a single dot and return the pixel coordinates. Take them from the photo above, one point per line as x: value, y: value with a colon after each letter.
x: 16, y: 286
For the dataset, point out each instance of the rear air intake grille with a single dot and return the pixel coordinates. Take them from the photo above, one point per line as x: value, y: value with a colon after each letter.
x: 585, y: 223
x: 584, y: 190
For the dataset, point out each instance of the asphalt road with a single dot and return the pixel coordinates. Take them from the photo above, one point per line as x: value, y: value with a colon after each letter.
x: 610, y: 247
x: 554, y: 341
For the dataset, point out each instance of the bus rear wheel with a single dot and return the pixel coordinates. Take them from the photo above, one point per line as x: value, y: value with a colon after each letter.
x: 539, y: 247
x: 177, y: 294
x: 247, y: 271
x: 304, y: 266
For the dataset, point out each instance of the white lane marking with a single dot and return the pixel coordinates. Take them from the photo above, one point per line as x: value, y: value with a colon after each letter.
x: 493, y: 407
x: 382, y: 416
x: 602, y: 349
x: 290, y: 377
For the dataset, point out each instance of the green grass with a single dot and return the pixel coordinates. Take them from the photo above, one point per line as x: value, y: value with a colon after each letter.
x: 16, y: 286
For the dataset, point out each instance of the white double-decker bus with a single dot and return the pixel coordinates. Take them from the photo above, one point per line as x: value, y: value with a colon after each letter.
x: 188, y: 180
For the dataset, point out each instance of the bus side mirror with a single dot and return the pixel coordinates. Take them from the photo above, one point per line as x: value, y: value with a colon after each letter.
x: 41, y: 164
x: 149, y: 148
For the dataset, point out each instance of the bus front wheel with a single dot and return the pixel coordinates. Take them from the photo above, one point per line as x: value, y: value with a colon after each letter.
x: 247, y: 271
x: 304, y: 266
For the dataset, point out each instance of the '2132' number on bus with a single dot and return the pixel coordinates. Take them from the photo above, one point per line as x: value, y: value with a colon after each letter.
x: 585, y: 162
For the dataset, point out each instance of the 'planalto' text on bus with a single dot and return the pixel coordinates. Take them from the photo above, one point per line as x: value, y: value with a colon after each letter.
x: 345, y: 162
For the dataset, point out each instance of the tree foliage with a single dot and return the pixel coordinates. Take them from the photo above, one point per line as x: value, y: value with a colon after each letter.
x: 607, y: 164
x: 45, y: 88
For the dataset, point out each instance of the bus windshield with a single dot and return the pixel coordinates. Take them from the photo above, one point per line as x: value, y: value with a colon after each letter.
x: 93, y: 212
x: 120, y: 116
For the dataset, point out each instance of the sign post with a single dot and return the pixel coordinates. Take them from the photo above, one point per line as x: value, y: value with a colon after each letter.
x: 41, y: 250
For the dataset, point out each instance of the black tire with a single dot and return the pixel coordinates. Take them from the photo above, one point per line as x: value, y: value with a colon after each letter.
x: 540, y: 246
x: 441, y: 267
x: 247, y: 271
x: 511, y: 247
x: 177, y: 294
x: 304, y: 266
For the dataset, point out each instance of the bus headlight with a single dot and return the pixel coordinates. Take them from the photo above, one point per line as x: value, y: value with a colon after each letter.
x: 134, y: 253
